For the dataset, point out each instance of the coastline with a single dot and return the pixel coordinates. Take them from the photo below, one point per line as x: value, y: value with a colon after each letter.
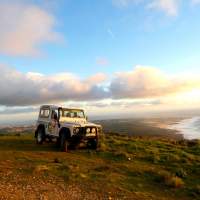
x: 171, y: 128
x: 189, y: 127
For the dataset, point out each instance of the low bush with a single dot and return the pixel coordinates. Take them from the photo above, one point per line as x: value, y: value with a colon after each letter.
x: 169, y: 179
x: 174, y: 181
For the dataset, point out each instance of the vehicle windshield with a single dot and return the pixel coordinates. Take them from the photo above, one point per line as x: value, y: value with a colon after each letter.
x: 72, y: 113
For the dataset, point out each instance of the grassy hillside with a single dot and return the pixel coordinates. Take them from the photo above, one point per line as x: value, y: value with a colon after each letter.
x: 123, y: 168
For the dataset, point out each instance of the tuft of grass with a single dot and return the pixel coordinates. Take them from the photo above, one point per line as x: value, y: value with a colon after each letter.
x: 180, y: 172
x: 102, y: 147
x: 170, y: 180
x: 121, y: 155
x: 41, y: 168
x: 197, y: 190
x: 174, y: 182
x: 56, y: 160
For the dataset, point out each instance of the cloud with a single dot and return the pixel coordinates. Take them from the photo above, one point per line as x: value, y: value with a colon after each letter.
x: 110, y: 32
x: 143, y: 84
x: 18, y: 89
x: 149, y: 82
x: 170, y: 7
x: 102, y: 61
x: 24, y: 28
x: 18, y: 110
x: 124, y: 3
x: 124, y: 103
x: 195, y: 2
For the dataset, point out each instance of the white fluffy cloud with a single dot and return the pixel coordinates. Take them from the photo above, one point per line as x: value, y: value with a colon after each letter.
x: 24, y: 27
x: 142, y: 83
x: 148, y: 82
x: 18, y: 89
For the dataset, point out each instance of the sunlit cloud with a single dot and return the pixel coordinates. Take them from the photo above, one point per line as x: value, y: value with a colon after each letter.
x: 143, y: 85
x: 24, y: 28
x: 20, y: 89
x: 145, y: 82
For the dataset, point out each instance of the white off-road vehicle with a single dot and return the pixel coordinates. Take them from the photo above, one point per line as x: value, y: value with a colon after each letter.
x: 68, y: 126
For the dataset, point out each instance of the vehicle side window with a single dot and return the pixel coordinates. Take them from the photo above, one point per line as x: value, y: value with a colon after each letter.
x: 44, y: 112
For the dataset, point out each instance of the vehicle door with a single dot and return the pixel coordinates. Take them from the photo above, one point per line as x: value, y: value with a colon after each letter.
x: 53, y: 124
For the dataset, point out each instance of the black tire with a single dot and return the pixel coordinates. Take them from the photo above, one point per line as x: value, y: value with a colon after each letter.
x: 64, y: 143
x: 40, y: 137
x: 92, y: 144
x: 58, y: 142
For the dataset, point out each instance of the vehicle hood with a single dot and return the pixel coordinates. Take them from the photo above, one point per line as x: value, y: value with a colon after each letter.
x: 78, y: 122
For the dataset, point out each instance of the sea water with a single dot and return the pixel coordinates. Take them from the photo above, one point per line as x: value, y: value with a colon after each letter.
x: 190, y: 128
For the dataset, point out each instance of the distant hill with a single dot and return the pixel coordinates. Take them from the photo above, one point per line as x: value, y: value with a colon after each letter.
x: 17, y: 129
x: 152, y: 127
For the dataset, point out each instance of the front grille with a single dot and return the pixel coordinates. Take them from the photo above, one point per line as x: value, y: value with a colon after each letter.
x: 90, y: 130
x: 84, y: 131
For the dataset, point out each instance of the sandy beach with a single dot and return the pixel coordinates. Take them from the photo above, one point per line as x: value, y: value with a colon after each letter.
x: 190, y: 128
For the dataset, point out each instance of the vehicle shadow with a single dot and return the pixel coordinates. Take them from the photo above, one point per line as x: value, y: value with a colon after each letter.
x: 19, y: 143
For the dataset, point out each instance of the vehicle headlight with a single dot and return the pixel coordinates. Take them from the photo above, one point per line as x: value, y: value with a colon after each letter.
x: 76, y: 130
x: 88, y: 130
x: 93, y: 130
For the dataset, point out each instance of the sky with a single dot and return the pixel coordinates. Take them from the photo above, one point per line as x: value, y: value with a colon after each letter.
x: 109, y: 57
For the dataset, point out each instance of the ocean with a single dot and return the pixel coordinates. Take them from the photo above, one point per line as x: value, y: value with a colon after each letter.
x: 190, y: 128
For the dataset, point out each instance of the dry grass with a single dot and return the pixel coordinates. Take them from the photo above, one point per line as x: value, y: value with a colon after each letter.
x: 122, y: 168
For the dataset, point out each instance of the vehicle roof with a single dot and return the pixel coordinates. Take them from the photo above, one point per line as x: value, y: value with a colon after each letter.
x: 51, y: 106
x: 56, y: 107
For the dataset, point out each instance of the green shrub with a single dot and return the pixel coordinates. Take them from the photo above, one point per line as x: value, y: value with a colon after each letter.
x: 197, y: 190
x: 153, y: 157
x: 174, y: 158
x: 121, y: 155
x: 188, y: 157
x: 103, y: 147
x: 181, y: 173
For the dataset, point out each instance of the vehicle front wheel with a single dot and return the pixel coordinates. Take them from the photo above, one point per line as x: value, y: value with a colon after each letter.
x: 58, y: 142
x: 40, y: 136
x: 92, y: 144
x: 64, y: 143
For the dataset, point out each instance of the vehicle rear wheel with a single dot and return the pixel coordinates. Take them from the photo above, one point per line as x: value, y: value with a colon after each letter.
x: 64, y: 143
x: 40, y: 136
